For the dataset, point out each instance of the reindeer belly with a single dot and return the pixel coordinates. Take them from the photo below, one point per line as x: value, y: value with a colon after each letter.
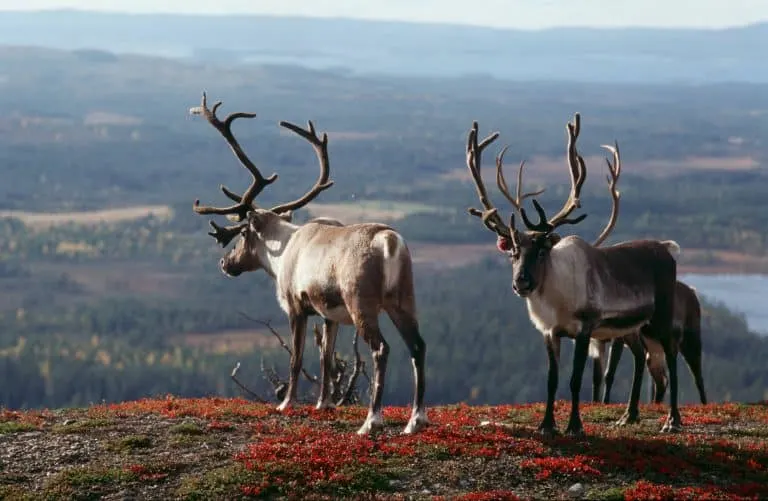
x: 621, y: 323
x: 326, y: 302
x: 337, y: 314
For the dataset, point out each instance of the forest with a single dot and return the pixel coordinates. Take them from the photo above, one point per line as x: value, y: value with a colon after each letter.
x: 111, y: 306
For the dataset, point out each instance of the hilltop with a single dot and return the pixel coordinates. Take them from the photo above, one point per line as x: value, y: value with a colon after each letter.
x: 172, y: 448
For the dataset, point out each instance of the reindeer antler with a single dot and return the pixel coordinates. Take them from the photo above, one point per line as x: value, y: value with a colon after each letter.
x: 321, y: 149
x: 225, y: 234
x: 578, y: 172
x: 243, y: 203
x: 501, y: 182
x: 490, y: 215
x: 614, y: 171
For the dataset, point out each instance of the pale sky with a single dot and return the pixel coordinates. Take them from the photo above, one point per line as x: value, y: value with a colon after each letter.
x: 528, y: 14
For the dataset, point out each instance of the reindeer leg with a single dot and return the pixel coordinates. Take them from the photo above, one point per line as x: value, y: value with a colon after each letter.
x: 547, y: 426
x: 632, y: 414
x: 580, y: 352
x: 369, y: 330
x: 690, y: 348
x: 298, y: 333
x: 597, y: 354
x: 616, y: 350
x: 674, y: 421
x: 408, y: 326
x: 327, y: 346
x: 659, y: 382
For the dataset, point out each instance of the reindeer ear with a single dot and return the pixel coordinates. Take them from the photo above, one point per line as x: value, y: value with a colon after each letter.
x: 255, y: 221
x: 287, y: 216
x: 552, y: 239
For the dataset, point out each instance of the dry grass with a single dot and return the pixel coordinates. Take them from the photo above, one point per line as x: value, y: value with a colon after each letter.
x: 369, y: 210
x: 44, y: 220
x: 233, y: 341
x: 449, y: 255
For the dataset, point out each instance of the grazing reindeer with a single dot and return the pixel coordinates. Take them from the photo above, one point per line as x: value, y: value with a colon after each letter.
x: 345, y: 274
x: 687, y: 324
x: 573, y: 289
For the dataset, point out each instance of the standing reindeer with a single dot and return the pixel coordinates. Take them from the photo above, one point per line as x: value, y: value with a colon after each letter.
x: 687, y: 324
x: 345, y: 274
x: 573, y: 289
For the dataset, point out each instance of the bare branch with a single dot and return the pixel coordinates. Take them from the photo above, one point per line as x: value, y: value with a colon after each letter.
x: 243, y: 387
x: 351, y: 384
x: 312, y: 379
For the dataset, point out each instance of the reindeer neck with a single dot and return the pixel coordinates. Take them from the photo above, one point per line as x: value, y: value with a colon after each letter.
x: 275, y: 237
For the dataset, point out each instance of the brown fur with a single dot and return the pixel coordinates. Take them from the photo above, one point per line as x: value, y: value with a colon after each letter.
x: 345, y: 274
x: 687, y: 326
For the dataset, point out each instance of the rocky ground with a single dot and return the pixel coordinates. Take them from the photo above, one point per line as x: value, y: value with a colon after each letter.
x: 173, y: 448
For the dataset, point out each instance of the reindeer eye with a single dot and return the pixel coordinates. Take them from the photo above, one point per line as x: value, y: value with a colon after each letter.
x: 542, y: 252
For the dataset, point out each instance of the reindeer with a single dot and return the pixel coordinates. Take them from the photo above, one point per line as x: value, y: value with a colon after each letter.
x: 687, y: 324
x: 575, y: 290
x: 344, y: 274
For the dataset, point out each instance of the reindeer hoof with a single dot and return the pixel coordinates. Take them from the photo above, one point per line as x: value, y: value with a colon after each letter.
x: 626, y: 419
x: 328, y: 404
x: 575, y: 429
x: 284, y: 405
x: 575, y: 432
x: 373, y: 424
x: 548, y: 431
x: 417, y: 423
x: 672, y: 426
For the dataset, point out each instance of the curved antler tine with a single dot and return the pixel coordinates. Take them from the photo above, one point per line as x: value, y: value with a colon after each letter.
x: 501, y: 181
x: 230, y: 194
x: 614, y: 171
x: 488, y: 140
x: 578, y: 173
x: 225, y: 234
x: 575, y: 220
x: 321, y: 150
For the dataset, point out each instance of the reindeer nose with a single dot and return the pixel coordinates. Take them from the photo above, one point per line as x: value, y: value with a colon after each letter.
x: 221, y: 263
x: 523, y: 282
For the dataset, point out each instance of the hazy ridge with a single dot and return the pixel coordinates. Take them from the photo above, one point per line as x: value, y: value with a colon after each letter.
x: 640, y: 55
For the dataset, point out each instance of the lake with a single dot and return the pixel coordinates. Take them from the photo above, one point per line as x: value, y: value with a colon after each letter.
x: 745, y: 294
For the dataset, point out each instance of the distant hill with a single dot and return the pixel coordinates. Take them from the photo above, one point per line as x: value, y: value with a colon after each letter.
x: 638, y: 55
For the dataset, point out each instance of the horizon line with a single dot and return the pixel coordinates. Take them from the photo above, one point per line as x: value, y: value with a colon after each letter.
x: 120, y: 12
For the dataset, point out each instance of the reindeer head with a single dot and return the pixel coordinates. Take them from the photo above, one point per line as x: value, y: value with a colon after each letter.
x: 529, y: 250
x: 263, y: 231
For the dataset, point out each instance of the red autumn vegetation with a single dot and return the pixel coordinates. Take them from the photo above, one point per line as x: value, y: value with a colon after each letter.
x: 468, y: 452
